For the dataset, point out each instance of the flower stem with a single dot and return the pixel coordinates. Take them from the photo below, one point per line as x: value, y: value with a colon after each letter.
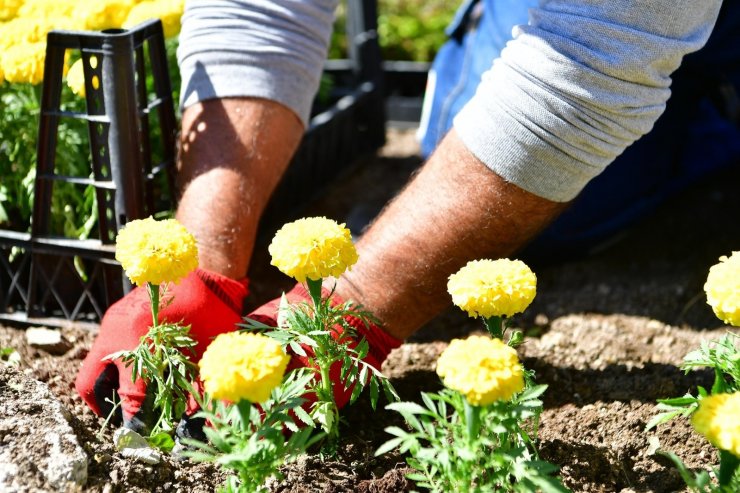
x: 495, y: 326
x: 472, y: 420
x: 728, y: 464
x: 154, y: 298
x: 314, y: 289
x: 328, y: 396
x: 244, y: 408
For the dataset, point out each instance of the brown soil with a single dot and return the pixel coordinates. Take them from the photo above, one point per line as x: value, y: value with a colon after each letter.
x: 606, y: 333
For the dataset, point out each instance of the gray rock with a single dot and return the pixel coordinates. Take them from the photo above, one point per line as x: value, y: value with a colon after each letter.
x: 48, y: 340
x: 40, y: 451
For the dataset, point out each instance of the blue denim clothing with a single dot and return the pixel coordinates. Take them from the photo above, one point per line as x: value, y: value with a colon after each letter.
x: 477, y: 34
x: 692, y: 138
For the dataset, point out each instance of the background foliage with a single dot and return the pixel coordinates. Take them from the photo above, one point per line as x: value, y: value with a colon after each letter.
x: 408, y: 29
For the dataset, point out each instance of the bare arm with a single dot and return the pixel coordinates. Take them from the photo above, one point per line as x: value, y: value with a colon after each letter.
x: 453, y: 211
x: 233, y: 153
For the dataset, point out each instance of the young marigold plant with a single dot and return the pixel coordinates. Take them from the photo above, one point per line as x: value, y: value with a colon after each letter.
x: 153, y: 254
x: 714, y: 413
x: 472, y: 435
x: 310, y: 250
x: 244, y: 373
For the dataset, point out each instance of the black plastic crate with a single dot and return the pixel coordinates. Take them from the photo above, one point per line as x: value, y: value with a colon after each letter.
x: 40, y: 280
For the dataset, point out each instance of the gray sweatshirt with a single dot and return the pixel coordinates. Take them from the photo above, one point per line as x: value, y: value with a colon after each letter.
x: 572, y: 89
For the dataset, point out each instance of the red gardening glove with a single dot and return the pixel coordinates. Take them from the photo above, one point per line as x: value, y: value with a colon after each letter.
x: 210, y: 303
x: 379, y: 342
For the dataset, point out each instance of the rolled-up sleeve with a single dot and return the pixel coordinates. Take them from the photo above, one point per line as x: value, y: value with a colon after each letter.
x: 273, y: 49
x: 577, y: 85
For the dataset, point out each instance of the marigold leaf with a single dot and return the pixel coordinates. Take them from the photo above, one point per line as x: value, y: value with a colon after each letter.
x: 388, y: 446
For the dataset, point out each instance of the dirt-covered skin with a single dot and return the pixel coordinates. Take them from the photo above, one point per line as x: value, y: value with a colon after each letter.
x: 606, y: 333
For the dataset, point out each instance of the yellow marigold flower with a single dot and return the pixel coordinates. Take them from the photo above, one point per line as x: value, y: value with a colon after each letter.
x: 103, y: 14
x: 242, y: 365
x: 23, y: 31
x: 717, y: 418
x: 723, y: 289
x: 24, y: 63
x: 484, y: 370
x: 156, y: 251
x: 57, y: 11
x: 313, y: 248
x: 168, y: 11
x: 9, y: 9
x: 76, y: 78
x: 487, y: 288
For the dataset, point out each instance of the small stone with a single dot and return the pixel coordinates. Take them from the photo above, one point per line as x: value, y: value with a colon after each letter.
x: 102, y: 458
x: 134, y: 446
x: 114, y: 476
x: 653, y: 445
x: 124, y: 438
x: 48, y: 340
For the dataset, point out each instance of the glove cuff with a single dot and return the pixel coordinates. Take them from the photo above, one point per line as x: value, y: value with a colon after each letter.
x: 230, y: 291
x: 381, y: 343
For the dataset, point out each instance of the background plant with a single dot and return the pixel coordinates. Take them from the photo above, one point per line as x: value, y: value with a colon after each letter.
x: 408, y: 30
x: 25, y: 24
x: 411, y: 30
x: 478, y: 434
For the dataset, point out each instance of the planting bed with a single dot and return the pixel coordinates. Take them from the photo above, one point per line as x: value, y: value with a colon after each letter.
x: 606, y: 332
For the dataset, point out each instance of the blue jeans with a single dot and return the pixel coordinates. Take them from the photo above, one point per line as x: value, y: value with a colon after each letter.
x: 690, y: 140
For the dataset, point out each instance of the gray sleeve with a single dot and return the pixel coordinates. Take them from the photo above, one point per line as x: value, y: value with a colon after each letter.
x: 273, y: 49
x: 577, y: 85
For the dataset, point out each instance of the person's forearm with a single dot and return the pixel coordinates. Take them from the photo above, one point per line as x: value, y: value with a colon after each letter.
x: 232, y: 155
x: 453, y: 211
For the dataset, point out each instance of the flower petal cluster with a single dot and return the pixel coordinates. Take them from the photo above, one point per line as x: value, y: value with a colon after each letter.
x: 9, y: 9
x: 103, y: 14
x: 57, y: 10
x: 26, y: 22
x: 313, y: 248
x: 487, y: 288
x: 723, y: 289
x: 24, y: 63
x: 718, y: 419
x: 242, y: 365
x: 76, y: 78
x: 156, y: 252
x: 168, y: 11
x: 22, y: 30
x: 484, y: 370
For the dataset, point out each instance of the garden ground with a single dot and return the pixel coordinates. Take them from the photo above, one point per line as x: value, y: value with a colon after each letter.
x: 606, y: 333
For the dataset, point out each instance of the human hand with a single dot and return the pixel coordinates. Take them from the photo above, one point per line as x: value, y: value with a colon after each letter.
x: 208, y: 302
